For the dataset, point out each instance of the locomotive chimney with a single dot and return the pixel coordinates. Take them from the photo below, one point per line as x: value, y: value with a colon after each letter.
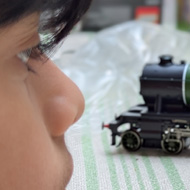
x: 165, y: 60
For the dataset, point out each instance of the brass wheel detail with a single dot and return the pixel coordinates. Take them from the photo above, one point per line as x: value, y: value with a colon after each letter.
x: 172, y: 145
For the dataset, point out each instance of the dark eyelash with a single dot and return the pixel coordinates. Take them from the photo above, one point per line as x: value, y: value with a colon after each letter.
x: 29, y: 53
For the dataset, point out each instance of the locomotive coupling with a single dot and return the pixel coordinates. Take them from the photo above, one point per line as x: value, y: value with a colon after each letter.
x: 105, y: 126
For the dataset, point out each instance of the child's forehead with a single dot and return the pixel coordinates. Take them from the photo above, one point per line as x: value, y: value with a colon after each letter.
x: 23, y: 32
x: 24, y: 24
x: 27, y: 23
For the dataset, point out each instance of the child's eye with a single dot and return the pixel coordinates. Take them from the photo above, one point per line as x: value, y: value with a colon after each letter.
x: 24, y: 57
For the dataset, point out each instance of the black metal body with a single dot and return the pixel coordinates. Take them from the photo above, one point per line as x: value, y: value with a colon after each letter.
x: 162, y: 84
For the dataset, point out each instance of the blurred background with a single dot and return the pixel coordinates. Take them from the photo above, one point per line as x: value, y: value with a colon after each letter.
x: 105, y: 13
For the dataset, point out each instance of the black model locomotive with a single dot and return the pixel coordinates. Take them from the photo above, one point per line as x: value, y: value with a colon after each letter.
x: 163, y: 121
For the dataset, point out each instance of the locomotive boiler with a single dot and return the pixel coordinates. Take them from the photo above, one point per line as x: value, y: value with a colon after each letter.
x: 163, y: 121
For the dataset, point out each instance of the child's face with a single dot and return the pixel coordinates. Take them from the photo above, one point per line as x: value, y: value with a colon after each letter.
x: 36, y: 110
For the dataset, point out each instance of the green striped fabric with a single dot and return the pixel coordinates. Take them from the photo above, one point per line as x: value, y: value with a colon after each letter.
x: 100, y: 166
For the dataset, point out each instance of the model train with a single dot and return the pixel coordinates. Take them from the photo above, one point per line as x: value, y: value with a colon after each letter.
x: 163, y: 121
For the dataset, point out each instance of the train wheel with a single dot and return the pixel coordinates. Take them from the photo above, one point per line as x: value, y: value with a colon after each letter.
x: 172, y: 145
x: 131, y: 140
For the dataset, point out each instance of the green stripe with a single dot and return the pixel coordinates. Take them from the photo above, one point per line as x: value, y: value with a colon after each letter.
x: 107, y: 150
x: 172, y: 173
x: 125, y: 170
x: 90, y: 164
x: 89, y: 157
x: 187, y: 84
x: 139, y: 177
x: 151, y: 173
x: 126, y: 173
x: 110, y: 162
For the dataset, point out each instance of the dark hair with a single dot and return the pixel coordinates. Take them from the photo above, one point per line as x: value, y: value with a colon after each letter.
x: 57, y: 18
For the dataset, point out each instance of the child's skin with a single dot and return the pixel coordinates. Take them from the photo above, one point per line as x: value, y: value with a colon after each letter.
x: 36, y: 110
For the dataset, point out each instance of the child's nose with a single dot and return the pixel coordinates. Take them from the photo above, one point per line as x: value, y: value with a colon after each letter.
x: 60, y: 100
x: 62, y: 111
